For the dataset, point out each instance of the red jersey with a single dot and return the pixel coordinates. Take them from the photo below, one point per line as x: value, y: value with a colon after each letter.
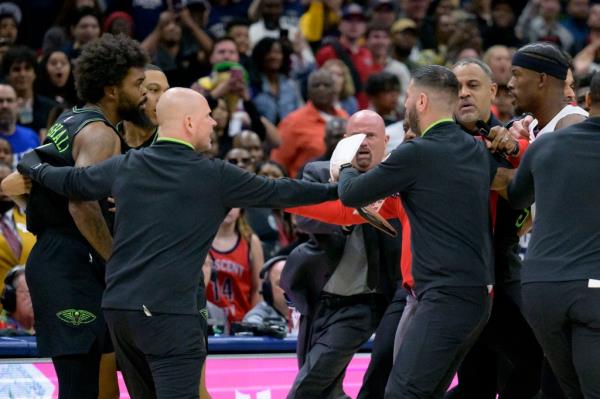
x: 233, y: 280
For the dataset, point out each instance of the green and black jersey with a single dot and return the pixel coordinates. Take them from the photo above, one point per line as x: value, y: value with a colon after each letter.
x: 46, y: 209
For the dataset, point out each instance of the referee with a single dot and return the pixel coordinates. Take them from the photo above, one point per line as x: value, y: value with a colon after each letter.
x: 443, y: 179
x: 561, y: 273
x: 171, y: 200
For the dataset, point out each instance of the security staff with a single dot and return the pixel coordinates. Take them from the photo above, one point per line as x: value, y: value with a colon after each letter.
x: 561, y: 298
x: 443, y: 179
x: 153, y: 275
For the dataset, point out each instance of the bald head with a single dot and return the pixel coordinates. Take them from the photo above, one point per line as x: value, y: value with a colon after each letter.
x: 184, y: 114
x: 372, y: 149
x: 365, y: 121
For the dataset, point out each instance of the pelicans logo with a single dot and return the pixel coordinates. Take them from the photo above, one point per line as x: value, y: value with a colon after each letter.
x: 76, y: 317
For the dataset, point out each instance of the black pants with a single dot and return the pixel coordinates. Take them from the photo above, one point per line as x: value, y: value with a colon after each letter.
x: 78, y: 374
x: 161, y: 356
x: 336, y: 332
x: 382, y: 358
x: 565, y: 317
x: 446, y: 323
x: 506, y: 358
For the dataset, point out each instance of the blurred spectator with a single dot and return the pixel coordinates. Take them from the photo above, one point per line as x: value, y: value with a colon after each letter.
x: 271, y: 24
x: 498, y: 58
x: 335, y: 129
x: 502, y: 30
x: 15, y: 241
x: 119, y: 22
x: 343, y: 86
x: 238, y: 257
x: 383, y: 90
x: 249, y: 141
x: 6, y: 152
x: 224, y: 11
x: 275, y: 94
x: 271, y: 169
x: 437, y: 26
x: 238, y: 30
x: 302, y: 131
x: 273, y: 309
x: 465, y: 35
x: 378, y: 41
x: 348, y: 48
x: 83, y: 28
x: 576, y: 22
x: 19, y: 65
x: 539, y: 22
x: 320, y: 20
x: 228, y: 81
x: 404, y: 42
x: 240, y: 158
x: 10, y: 18
x: 58, y: 36
x: 383, y: 14
x: 583, y: 88
x: 168, y: 51
x: 503, y: 106
x: 587, y: 61
x: 21, y: 139
x: 55, y: 78
x: 273, y: 226
x: 16, y: 317
x: 415, y: 10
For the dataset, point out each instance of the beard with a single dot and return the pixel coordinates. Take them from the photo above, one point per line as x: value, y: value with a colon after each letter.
x: 413, y: 120
x: 130, y: 111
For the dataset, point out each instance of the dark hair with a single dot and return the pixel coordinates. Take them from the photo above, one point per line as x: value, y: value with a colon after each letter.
x: 221, y: 40
x: 376, y: 28
x: 595, y: 89
x: 381, y: 83
x: 259, y: 53
x: 437, y: 77
x: 470, y: 61
x: 44, y: 86
x: 82, y: 12
x: 17, y: 55
x: 106, y: 62
x: 68, y: 9
x: 236, y: 22
x: 272, y: 163
x: 152, y: 67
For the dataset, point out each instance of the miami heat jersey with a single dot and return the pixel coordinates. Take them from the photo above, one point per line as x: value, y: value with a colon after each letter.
x: 231, y: 284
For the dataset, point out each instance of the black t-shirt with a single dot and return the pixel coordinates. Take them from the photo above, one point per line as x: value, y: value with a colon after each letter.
x: 444, y: 180
x: 171, y: 201
x: 560, y: 172
x: 45, y: 208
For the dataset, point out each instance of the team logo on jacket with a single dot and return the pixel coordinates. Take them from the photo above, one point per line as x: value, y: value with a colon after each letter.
x: 76, y: 317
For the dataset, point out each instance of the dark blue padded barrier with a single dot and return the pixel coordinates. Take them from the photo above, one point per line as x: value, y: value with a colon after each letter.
x: 26, y: 346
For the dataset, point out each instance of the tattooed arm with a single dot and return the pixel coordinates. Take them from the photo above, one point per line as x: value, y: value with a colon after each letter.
x: 94, y: 143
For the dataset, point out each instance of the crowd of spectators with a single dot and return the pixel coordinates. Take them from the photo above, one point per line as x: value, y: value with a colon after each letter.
x: 281, y: 77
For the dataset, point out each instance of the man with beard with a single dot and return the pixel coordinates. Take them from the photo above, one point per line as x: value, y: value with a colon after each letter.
x: 141, y: 131
x: 353, y: 272
x: 506, y: 358
x: 65, y: 271
x: 443, y: 179
x: 21, y: 138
